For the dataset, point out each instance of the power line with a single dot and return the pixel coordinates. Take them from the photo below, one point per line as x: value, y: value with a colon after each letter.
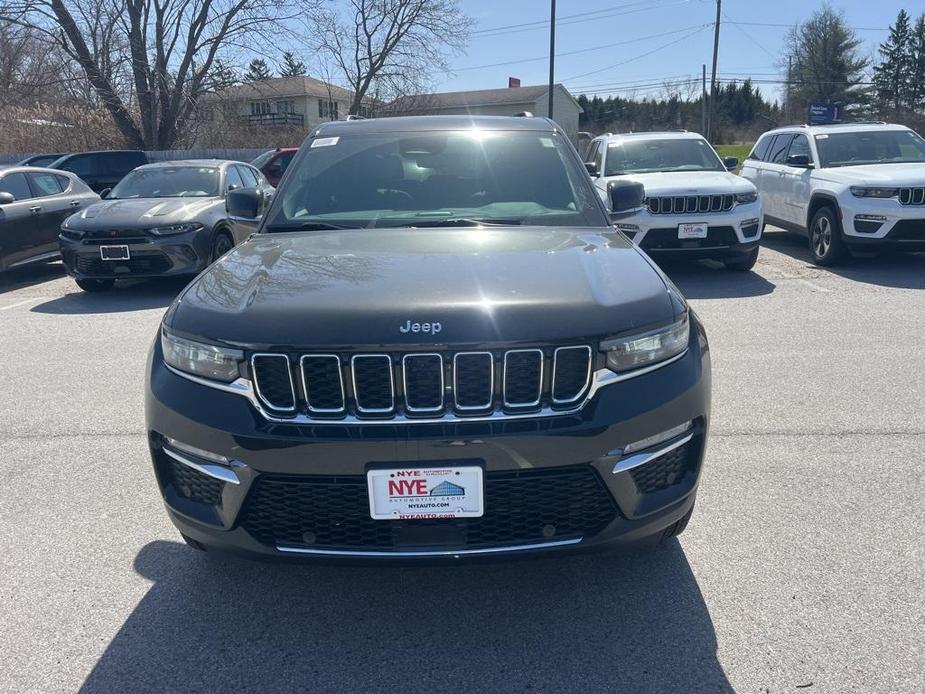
x: 576, y: 52
x: 790, y: 26
x: 542, y: 23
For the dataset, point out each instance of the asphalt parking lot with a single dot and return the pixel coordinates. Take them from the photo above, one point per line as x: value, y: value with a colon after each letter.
x: 803, y: 568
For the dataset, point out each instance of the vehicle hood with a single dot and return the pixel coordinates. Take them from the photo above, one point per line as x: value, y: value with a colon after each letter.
x: 876, y: 174
x: 689, y: 182
x: 351, y: 288
x: 142, y: 212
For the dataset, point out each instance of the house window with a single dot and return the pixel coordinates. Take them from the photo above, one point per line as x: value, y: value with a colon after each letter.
x: 260, y: 108
x: 327, y: 109
x: 285, y: 106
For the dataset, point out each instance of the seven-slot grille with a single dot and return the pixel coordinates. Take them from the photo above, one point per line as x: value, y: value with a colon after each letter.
x: 422, y: 384
x: 912, y: 196
x: 691, y: 204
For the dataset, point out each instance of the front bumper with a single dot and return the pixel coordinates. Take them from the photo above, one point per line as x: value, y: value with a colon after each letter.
x: 729, y: 234
x: 149, y: 256
x: 881, y: 224
x: 276, y: 490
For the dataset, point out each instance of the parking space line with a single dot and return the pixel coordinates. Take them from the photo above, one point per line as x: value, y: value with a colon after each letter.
x: 19, y: 303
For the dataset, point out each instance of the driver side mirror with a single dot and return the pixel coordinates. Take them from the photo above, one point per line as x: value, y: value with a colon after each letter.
x: 592, y: 169
x: 730, y: 163
x: 243, y: 203
x: 799, y: 160
x: 625, y: 196
x: 7, y: 198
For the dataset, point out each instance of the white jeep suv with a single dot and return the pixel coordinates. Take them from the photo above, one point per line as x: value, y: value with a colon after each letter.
x: 852, y: 187
x: 693, y: 206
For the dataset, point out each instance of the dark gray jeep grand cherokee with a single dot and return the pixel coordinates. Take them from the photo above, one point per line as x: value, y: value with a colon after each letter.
x: 436, y: 346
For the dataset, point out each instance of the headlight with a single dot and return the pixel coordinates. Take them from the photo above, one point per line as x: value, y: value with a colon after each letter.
x: 745, y: 198
x: 636, y: 351
x: 175, y: 229
x: 208, y: 361
x: 864, y: 192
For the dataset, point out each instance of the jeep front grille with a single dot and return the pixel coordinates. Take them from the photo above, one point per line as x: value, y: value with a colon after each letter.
x: 422, y: 384
x: 691, y: 204
x: 912, y: 196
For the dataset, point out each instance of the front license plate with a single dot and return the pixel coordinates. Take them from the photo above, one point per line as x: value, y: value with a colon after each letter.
x: 114, y: 252
x: 692, y: 231
x: 440, y: 492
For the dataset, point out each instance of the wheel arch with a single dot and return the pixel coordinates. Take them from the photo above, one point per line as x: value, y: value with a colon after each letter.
x: 818, y: 201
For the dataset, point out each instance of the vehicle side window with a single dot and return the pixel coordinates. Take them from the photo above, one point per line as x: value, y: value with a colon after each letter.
x: 233, y: 179
x: 779, y: 149
x: 247, y: 176
x: 64, y: 182
x: 17, y: 185
x: 760, y: 152
x: 593, y: 149
x: 45, y: 184
x: 122, y: 162
x: 284, y: 160
x: 800, y: 145
x: 599, y: 157
x: 81, y: 165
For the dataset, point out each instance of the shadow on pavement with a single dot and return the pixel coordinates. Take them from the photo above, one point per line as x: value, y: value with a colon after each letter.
x: 617, y: 622
x: 898, y: 270
x: 137, y: 295
x: 28, y: 276
x: 707, y: 279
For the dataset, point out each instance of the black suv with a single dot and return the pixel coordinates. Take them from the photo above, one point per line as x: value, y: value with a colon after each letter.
x: 436, y: 346
x: 101, y: 170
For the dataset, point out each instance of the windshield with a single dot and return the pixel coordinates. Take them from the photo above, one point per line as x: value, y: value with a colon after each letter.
x: 164, y: 182
x: 263, y: 159
x: 870, y: 147
x: 670, y: 154
x: 455, y: 178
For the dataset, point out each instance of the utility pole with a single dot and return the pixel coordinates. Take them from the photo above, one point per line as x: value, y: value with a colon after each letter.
x: 719, y: 7
x: 552, y: 53
x: 703, y: 104
x: 789, y: 79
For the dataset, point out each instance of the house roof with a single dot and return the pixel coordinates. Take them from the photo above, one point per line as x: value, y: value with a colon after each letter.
x: 479, y: 97
x: 279, y: 87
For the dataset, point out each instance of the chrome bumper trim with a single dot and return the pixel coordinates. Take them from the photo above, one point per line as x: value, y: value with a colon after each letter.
x: 426, y: 552
x: 215, y: 471
x: 637, y: 459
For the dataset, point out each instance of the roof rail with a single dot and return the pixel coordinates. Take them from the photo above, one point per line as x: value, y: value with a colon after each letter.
x: 523, y: 114
x: 846, y: 122
x: 354, y: 116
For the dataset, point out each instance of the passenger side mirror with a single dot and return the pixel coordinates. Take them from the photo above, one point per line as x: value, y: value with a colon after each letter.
x: 105, y: 193
x: 6, y: 198
x: 730, y: 163
x: 799, y: 160
x: 625, y: 196
x: 592, y: 169
x: 243, y: 203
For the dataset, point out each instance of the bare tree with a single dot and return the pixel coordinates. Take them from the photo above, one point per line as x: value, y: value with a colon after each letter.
x: 390, y: 47
x: 166, y: 49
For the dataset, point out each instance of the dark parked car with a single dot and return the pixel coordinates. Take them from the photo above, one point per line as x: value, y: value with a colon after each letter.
x: 40, y: 160
x: 101, y: 170
x: 33, y: 203
x: 435, y: 346
x: 273, y: 164
x: 161, y: 219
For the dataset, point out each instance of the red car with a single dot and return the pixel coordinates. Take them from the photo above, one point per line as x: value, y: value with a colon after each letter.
x: 274, y: 163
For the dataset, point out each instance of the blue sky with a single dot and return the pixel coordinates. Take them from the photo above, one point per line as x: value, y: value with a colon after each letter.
x: 639, y: 44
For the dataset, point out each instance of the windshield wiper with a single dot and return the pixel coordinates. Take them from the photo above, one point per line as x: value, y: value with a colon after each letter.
x: 457, y: 222
x: 307, y: 226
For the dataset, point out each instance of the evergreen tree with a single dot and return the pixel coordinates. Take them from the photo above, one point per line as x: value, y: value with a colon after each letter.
x: 257, y: 70
x: 222, y: 76
x: 917, y: 73
x: 892, y: 76
x: 291, y: 67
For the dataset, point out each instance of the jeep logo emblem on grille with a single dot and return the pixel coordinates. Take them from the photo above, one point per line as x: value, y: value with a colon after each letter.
x: 431, y: 328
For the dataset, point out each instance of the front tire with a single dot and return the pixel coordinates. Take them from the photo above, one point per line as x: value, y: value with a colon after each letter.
x: 825, y: 238
x: 743, y: 263
x: 89, y: 285
x: 221, y: 244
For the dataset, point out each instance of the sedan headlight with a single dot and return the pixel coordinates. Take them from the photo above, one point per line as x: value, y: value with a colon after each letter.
x: 175, y: 229
x: 201, y: 359
x: 865, y: 192
x: 637, y: 351
x: 745, y: 198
